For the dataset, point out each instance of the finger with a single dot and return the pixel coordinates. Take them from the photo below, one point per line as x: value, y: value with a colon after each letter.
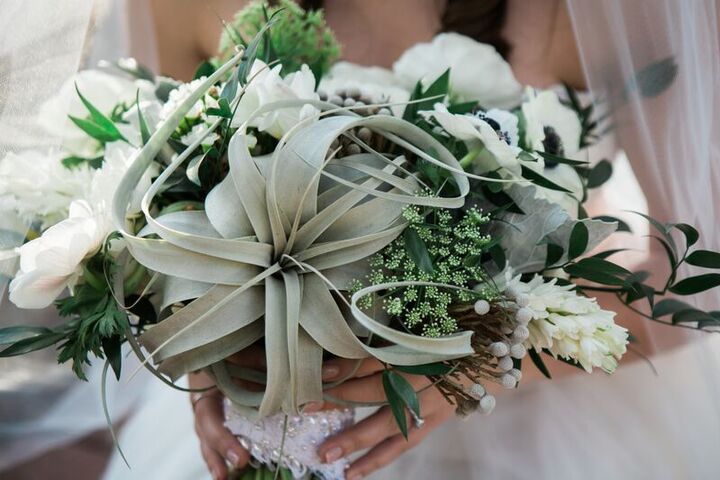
x: 385, y: 453
x: 338, y: 368
x: 364, y: 434
x: 209, y: 425
x: 215, y: 463
x: 370, y: 388
x: 251, y: 357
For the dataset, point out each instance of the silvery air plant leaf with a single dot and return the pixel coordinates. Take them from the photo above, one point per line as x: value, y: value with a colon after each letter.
x: 524, y: 237
x: 269, y: 243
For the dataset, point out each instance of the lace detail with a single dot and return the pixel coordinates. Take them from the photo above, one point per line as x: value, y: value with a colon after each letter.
x: 263, y: 439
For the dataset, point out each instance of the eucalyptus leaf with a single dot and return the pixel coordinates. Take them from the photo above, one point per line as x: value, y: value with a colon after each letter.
x: 397, y: 404
x: 578, y: 240
x: 669, y: 306
x: 538, y: 362
x: 428, y: 369
x: 599, y: 174
x: 541, y: 181
x: 704, y: 258
x: 697, y: 284
x: 14, y: 334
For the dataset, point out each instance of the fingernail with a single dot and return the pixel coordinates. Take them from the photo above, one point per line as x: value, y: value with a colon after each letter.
x: 354, y: 476
x: 333, y: 454
x: 312, y: 407
x: 215, y: 475
x: 232, y: 457
x: 330, y: 371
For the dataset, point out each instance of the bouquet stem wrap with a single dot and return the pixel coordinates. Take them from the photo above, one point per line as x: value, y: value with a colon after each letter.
x: 277, y: 236
x: 291, y: 441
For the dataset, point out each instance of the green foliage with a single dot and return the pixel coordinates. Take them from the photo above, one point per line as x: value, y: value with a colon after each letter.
x: 401, y: 396
x: 95, y: 323
x: 98, y: 126
x: 298, y: 37
x: 436, y: 247
x: 630, y: 287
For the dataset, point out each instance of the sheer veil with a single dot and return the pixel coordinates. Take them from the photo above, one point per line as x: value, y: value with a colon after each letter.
x: 42, y: 45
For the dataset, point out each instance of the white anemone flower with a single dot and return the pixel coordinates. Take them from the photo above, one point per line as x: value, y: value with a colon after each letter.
x: 53, y: 262
x: 571, y: 326
x: 477, y: 71
x: 479, y: 134
x: 552, y: 127
x: 267, y: 86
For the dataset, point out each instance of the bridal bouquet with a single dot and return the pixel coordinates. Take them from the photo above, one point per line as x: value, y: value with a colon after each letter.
x: 430, y: 217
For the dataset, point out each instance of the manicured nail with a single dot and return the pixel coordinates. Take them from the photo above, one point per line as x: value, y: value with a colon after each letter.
x: 333, y: 454
x: 330, y: 371
x: 232, y: 457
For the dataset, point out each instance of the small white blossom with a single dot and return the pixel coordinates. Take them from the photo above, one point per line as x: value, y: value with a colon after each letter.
x: 571, y: 326
x: 267, y: 86
x: 477, y: 71
x: 196, y: 132
x: 178, y: 95
x: 37, y: 186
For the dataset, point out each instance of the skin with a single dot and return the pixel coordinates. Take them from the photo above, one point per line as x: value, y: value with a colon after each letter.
x: 373, y: 32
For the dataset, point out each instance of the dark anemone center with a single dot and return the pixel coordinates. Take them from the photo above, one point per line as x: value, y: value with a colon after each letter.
x: 553, y: 145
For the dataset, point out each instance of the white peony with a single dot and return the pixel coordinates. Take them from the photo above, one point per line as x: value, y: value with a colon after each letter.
x: 551, y: 126
x: 104, y: 91
x: 379, y: 84
x: 53, y: 262
x: 38, y: 187
x: 571, y: 326
x: 479, y: 134
x: 267, y: 86
x: 477, y: 71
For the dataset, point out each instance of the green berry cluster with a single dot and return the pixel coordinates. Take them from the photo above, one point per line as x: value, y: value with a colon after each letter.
x: 439, y: 246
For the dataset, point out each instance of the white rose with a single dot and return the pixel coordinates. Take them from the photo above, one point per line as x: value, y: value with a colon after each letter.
x: 267, y: 86
x: 478, y: 133
x: 103, y: 90
x: 477, y: 71
x: 53, y: 262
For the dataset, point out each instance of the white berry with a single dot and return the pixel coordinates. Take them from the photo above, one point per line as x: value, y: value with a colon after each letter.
x: 505, y: 364
x: 487, y: 404
x: 522, y: 300
x: 518, y: 351
x: 523, y: 316
x: 499, y: 349
x: 482, y: 307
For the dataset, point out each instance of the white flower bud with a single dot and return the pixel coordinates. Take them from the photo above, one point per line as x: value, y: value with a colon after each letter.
x: 498, y: 349
x: 522, y: 300
x: 482, y: 307
x: 518, y: 351
x: 516, y: 373
x: 511, y: 292
x: 487, y: 404
x: 477, y: 391
x: 508, y: 381
x: 520, y: 334
x: 505, y: 364
x: 523, y: 316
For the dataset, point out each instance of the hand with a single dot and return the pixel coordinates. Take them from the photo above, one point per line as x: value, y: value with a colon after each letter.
x: 218, y: 445
x: 378, y: 432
